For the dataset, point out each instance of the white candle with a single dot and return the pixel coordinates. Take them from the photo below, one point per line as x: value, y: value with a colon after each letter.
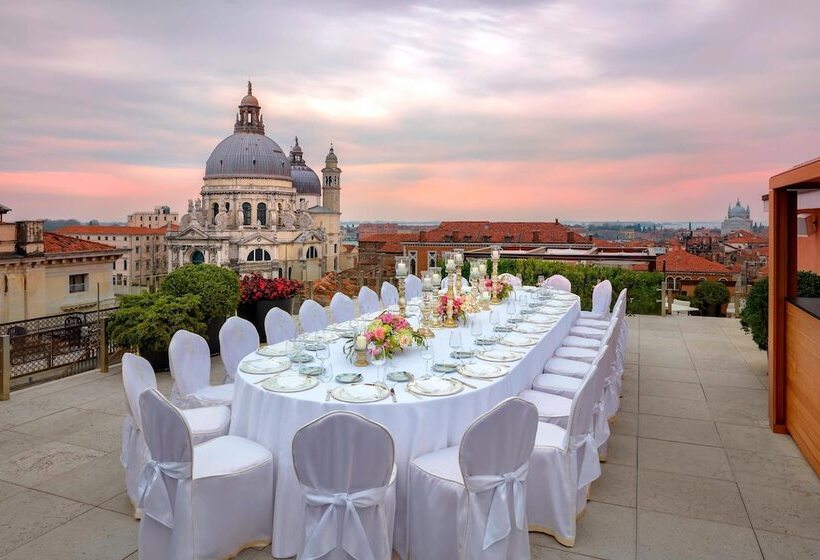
x: 459, y: 258
x: 482, y: 269
x: 361, y: 342
x: 427, y: 283
x: 401, y: 269
x: 451, y: 263
x: 436, y: 278
x: 496, y: 254
x: 485, y: 295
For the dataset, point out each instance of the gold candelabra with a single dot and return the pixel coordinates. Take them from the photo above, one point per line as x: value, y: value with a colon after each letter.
x: 495, y: 253
x: 402, y: 298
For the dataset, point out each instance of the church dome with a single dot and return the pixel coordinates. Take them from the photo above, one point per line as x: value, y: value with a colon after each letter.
x: 738, y: 211
x: 249, y: 101
x: 305, y: 180
x: 247, y: 154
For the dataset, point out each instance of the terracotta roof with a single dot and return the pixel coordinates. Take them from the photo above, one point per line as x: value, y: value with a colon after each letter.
x: 116, y: 230
x: 56, y: 243
x: 391, y: 242
x: 640, y: 266
x: 678, y: 260
x: 502, y: 232
x: 746, y: 237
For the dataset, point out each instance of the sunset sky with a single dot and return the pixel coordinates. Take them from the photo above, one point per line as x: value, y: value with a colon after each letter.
x: 478, y: 110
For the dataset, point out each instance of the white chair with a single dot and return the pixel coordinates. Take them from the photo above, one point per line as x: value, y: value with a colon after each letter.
x: 312, y: 316
x: 189, y: 360
x: 204, y: 502
x: 237, y: 339
x: 510, y: 279
x: 368, y: 301
x: 445, y: 282
x: 345, y: 465
x: 412, y: 287
x: 564, y: 463
x: 205, y: 423
x: 559, y: 282
x: 468, y: 502
x: 279, y: 326
x: 342, y: 308
x: 601, y: 300
x: 390, y: 294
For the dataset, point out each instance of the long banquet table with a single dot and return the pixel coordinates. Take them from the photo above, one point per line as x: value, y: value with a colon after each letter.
x: 418, y: 426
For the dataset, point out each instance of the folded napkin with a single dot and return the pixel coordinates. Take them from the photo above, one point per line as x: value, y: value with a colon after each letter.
x: 433, y: 384
x: 514, y: 338
x: 361, y: 391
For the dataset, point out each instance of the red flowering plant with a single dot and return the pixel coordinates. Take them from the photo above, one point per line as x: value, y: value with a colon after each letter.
x: 255, y: 287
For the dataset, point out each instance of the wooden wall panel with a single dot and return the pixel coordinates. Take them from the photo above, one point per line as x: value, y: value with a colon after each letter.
x: 803, y: 382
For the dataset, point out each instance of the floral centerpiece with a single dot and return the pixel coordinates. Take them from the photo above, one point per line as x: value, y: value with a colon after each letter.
x: 392, y: 333
x: 505, y: 289
x: 258, y: 295
x: 459, y: 313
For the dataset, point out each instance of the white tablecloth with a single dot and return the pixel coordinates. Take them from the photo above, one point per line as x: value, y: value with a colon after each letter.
x: 417, y: 426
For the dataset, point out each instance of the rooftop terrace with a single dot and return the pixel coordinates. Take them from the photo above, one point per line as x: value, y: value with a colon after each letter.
x: 693, y: 470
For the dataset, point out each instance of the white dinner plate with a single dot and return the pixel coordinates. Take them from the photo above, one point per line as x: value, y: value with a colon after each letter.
x: 360, y: 393
x: 435, y: 386
x: 483, y: 371
x: 529, y: 328
x: 541, y: 319
x: 289, y: 383
x: 263, y: 366
x: 499, y: 355
x: 517, y: 339
x: 273, y: 350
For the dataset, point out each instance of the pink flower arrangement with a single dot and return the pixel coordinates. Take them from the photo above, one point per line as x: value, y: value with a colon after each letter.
x: 391, y: 333
x: 504, y: 288
x: 458, y: 308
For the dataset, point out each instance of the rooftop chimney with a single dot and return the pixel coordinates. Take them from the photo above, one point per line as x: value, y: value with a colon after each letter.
x: 29, y: 238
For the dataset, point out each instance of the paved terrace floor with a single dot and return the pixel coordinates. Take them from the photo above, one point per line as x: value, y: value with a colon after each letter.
x: 693, y: 472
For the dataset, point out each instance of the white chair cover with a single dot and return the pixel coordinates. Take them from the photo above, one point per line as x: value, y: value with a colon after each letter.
x: 510, y: 279
x: 390, y: 294
x: 342, y: 308
x: 368, y: 301
x: 312, y: 316
x: 559, y: 282
x: 345, y: 464
x: 206, y: 502
x: 189, y: 360
x: 412, y: 287
x: 237, y: 339
x: 477, y: 510
x: 279, y: 326
x: 563, y: 465
x: 445, y: 282
x: 601, y: 300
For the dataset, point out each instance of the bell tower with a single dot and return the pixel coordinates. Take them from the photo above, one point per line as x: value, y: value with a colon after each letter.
x: 330, y: 185
x: 249, y: 117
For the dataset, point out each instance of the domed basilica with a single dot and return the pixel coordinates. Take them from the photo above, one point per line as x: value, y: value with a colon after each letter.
x: 261, y: 210
x: 737, y: 219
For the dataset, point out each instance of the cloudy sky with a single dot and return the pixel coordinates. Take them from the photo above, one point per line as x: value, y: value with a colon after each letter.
x: 477, y: 110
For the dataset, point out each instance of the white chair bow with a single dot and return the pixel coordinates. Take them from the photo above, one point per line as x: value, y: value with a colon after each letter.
x: 153, y: 498
x: 584, y: 455
x: 498, y: 518
x: 352, y: 538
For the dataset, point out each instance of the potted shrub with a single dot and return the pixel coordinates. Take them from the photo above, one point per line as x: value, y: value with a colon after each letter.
x: 258, y: 295
x: 146, y: 322
x: 709, y: 297
x: 217, y: 289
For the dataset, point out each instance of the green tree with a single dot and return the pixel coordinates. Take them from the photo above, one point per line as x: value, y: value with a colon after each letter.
x: 709, y: 296
x: 216, y: 287
x: 148, y: 321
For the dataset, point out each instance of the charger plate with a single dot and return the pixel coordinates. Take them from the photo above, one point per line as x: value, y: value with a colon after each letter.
x: 264, y: 366
x: 517, y: 339
x: 483, y: 371
x: 360, y: 393
x: 500, y: 355
x: 529, y: 328
x: 435, y: 386
x: 273, y: 350
x: 289, y: 383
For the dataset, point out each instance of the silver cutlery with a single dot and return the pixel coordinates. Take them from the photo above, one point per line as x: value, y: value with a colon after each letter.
x: 327, y: 397
x: 467, y: 384
x: 393, y: 394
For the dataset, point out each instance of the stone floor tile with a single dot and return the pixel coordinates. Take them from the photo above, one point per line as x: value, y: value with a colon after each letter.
x: 29, y: 514
x: 691, y: 496
x: 671, y: 389
x: 629, y: 403
x: 683, y: 458
x: 119, y: 503
x: 625, y: 423
x: 663, y: 536
x: 702, y: 432
x: 676, y: 408
x: 782, y: 511
x: 622, y: 450
x: 720, y: 378
x: 666, y: 359
x: 86, y: 428
x: 96, y: 535
x: 110, y: 404
x: 760, y: 440
x: 777, y: 546
x: 43, y: 462
x: 717, y: 393
x: 792, y: 473
x: 617, y: 485
x: 688, y: 375
x: 605, y: 531
x: 7, y: 490
x: 544, y: 553
x: 92, y: 483
x: 731, y: 364
x: 12, y: 443
x: 746, y: 414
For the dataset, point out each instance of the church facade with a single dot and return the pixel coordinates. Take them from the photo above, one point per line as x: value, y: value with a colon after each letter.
x: 261, y: 210
x: 737, y: 219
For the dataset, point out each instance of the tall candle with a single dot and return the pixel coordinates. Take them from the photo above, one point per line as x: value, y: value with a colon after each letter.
x: 401, y: 269
x: 436, y: 278
x: 427, y: 283
x: 361, y: 342
x: 451, y: 264
x: 482, y: 269
x: 495, y: 254
x: 459, y: 258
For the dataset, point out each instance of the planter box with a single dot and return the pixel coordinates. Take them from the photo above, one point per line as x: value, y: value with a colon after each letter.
x: 212, y: 334
x: 157, y: 359
x: 256, y: 312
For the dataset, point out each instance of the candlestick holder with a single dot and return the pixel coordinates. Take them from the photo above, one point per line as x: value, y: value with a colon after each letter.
x: 494, y: 300
x: 402, y: 268
x: 426, y: 329
x: 360, y: 358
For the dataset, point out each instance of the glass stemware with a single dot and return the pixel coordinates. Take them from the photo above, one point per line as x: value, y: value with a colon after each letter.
x: 379, y: 359
x: 427, y: 355
x: 476, y: 331
x: 494, y: 322
x: 455, y: 343
x: 323, y: 353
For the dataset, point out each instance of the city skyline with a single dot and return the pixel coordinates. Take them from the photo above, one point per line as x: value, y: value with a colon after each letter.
x: 530, y: 111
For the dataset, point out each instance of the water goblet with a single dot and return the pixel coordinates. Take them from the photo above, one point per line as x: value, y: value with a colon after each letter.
x: 476, y: 331
x: 455, y: 343
x: 427, y: 355
x: 379, y: 359
x: 540, y: 280
x: 323, y: 353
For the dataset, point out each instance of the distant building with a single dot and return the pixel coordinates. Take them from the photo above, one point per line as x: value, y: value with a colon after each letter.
x: 737, y: 219
x: 260, y: 210
x: 683, y: 271
x: 45, y: 273
x: 160, y: 217
x: 144, y: 260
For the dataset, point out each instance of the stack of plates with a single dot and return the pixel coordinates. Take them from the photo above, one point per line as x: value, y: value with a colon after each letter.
x: 435, y: 386
x: 531, y: 328
x: 483, y: 371
x: 273, y: 350
x: 542, y: 319
x: 498, y: 355
x: 360, y: 393
x: 263, y: 366
x: 515, y: 339
x: 289, y: 383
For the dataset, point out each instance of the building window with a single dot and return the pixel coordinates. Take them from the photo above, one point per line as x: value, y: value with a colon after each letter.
x: 259, y: 255
x: 197, y: 257
x: 431, y: 259
x: 262, y: 213
x: 246, y: 213
x: 335, y: 247
x: 114, y: 265
x: 125, y: 265
x: 77, y: 283
x: 215, y: 209
x: 312, y: 253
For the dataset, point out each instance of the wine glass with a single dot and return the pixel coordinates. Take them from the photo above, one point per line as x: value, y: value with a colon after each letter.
x: 323, y: 353
x: 540, y: 280
x: 427, y: 355
x: 494, y: 322
x: 379, y: 359
x: 455, y: 343
x: 476, y: 331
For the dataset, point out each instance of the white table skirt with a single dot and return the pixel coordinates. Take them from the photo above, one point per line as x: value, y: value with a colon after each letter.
x: 417, y: 426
